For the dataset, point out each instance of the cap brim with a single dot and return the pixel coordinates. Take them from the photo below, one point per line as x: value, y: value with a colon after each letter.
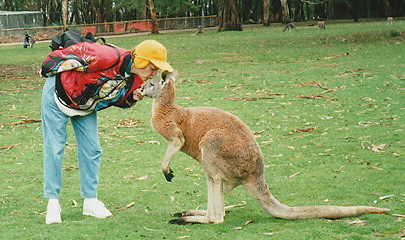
x: 162, y: 65
x: 142, y: 62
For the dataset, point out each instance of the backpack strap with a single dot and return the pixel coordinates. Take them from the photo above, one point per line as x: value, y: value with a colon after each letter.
x: 60, y: 91
x: 92, y: 38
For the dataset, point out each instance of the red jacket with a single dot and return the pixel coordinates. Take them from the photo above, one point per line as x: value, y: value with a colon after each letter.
x: 92, y: 76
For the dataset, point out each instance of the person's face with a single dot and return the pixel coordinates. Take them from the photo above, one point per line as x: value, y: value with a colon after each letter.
x: 145, y: 73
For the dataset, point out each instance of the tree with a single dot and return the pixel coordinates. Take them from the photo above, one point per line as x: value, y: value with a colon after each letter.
x: 153, y: 17
x: 228, y: 18
x: 387, y: 8
x: 285, y: 11
x: 266, y: 12
x: 65, y: 12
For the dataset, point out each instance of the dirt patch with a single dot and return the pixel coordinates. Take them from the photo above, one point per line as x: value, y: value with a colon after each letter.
x: 39, y: 36
x: 389, y: 37
x: 15, y: 72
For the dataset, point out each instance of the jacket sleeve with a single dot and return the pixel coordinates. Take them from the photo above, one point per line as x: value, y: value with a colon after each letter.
x: 57, y: 62
x: 128, y: 99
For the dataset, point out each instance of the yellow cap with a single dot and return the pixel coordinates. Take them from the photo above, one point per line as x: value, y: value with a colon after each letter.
x: 151, y: 51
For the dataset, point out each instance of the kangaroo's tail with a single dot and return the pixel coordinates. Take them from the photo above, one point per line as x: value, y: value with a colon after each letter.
x: 260, y: 192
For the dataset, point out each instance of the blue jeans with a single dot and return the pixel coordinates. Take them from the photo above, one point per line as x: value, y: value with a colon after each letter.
x: 54, y: 124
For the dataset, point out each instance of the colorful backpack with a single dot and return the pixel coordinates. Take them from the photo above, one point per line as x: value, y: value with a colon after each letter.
x: 91, y: 76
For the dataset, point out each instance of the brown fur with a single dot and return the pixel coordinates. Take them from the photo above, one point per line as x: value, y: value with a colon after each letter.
x: 321, y: 24
x: 229, y: 154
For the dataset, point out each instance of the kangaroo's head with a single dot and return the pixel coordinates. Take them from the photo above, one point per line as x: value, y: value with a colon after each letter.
x: 154, y: 87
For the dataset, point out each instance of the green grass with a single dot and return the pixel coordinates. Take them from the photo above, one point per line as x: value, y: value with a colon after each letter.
x: 266, y: 77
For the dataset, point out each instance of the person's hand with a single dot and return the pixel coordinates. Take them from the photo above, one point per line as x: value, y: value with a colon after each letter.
x: 137, y: 95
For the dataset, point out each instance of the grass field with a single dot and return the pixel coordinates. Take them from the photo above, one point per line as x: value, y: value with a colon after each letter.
x: 326, y: 106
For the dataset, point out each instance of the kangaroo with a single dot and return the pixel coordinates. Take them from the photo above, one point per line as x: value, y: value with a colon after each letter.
x: 229, y: 154
x: 289, y: 27
x: 320, y: 23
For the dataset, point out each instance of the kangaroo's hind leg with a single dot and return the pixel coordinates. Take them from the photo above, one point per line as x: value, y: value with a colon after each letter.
x: 216, y: 208
x: 215, y: 212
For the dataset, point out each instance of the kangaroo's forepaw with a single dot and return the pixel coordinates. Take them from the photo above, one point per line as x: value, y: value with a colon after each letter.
x: 169, y: 175
x: 178, y: 215
x: 182, y: 221
x: 178, y: 221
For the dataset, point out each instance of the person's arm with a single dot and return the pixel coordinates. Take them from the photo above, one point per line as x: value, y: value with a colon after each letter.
x: 131, y: 93
x: 57, y: 62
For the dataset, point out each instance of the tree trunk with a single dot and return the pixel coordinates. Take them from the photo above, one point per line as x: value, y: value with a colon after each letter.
x: 153, y: 17
x: 266, y: 12
x: 387, y: 8
x: 228, y: 19
x: 65, y: 13
x: 355, y: 6
x: 285, y: 11
x: 8, y: 5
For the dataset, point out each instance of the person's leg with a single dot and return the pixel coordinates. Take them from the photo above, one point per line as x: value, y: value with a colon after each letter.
x: 54, y: 138
x: 89, y: 155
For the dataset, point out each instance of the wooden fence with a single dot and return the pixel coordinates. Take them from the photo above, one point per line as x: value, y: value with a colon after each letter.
x: 110, y: 28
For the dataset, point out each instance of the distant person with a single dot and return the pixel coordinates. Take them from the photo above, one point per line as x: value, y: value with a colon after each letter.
x: 28, y: 41
x: 82, y: 79
x: 251, y: 16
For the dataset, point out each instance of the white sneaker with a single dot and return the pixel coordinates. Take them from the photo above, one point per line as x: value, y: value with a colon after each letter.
x: 94, y: 207
x: 53, y: 211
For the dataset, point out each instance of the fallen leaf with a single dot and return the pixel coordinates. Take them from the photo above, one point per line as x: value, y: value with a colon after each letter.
x: 10, y: 146
x: 40, y: 213
x: 246, y: 223
x: 355, y: 70
x: 24, y: 121
x: 237, y: 205
x: 74, y: 203
x: 310, y: 129
x: 127, y: 206
x: 280, y: 155
x: 358, y: 221
x: 376, y: 148
x: 312, y: 83
x: 68, y: 168
x: 342, y: 55
x: 129, y: 176
x: 385, y: 197
x: 143, y: 178
x: 295, y: 174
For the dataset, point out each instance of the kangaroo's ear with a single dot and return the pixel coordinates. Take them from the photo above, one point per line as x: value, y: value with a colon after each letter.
x: 165, y: 74
x: 174, y: 75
